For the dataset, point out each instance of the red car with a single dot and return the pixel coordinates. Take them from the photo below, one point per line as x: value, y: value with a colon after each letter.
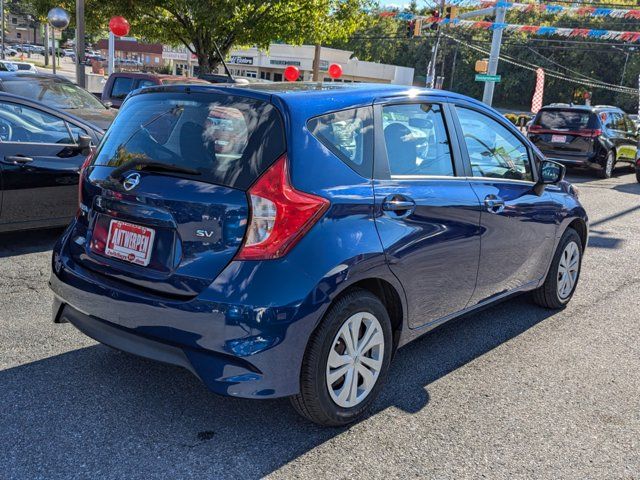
x: 120, y: 84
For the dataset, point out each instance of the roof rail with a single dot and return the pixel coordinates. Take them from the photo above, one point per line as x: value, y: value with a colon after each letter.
x: 607, y: 106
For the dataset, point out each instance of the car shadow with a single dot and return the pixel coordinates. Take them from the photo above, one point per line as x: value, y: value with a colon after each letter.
x: 97, y: 410
x: 29, y: 241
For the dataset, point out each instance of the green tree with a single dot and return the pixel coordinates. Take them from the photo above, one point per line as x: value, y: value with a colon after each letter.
x: 197, y: 24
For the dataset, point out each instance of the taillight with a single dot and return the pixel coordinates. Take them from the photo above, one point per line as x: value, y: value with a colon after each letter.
x: 280, y: 215
x: 534, y: 128
x: 588, y: 132
x: 83, y: 168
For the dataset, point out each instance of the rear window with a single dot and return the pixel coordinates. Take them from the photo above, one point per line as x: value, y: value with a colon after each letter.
x: 565, y: 119
x: 121, y: 87
x: 53, y: 92
x: 229, y: 140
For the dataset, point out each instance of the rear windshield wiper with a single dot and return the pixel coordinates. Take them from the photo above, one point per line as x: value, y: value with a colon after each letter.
x: 143, y: 164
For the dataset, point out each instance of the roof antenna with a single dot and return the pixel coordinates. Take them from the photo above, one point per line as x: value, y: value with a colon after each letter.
x: 226, y: 69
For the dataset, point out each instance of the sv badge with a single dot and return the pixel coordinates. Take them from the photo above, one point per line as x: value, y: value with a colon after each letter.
x: 204, y: 233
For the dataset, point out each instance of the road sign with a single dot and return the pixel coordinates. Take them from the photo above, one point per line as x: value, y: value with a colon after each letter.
x: 483, y: 77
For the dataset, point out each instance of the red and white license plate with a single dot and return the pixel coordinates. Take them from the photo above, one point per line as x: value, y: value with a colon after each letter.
x: 558, y: 139
x: 130, y: 242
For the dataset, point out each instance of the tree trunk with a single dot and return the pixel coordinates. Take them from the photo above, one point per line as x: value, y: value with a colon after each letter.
x: 205, y: 51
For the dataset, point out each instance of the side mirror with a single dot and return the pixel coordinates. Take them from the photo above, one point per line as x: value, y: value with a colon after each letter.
x: 108, y: 104
x: 84, y: 144
x: 550, y: 173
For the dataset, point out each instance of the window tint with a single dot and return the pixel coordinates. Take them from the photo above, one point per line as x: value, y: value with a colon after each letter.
x: 559, y: 119
x: 348, y: 134
x: 121, y: 87
x: 228, y: 140
x: 416, y: 140
x: 19, y: 123
x: 494, y: 151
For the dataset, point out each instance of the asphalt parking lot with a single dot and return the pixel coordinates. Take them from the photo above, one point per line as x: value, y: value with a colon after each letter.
x: 512, y: 392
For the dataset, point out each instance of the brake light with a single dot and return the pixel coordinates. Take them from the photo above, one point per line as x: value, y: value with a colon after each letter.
x: 83, y: 168
x: 588, y: 132
x: 280, y: 215
x: 535, y: 128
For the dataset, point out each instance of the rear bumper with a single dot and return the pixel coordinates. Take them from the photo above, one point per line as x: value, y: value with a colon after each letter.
x: 234, y: 349
x: 582, y: 161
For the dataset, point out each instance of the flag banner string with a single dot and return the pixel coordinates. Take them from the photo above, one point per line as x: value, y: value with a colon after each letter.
x: 631, y: 37
x: 583, y: 11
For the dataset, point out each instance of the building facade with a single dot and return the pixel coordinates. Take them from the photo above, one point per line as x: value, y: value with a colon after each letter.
x: 22, y: 29
x: 148, y: 54
x: 270, y: 64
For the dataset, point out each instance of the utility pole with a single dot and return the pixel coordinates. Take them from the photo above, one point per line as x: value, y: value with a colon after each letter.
x: 453, y: 67
x: 46, y: 45
x: 494, y: 55
x: 431, y: 67
x: 2, y: 27
x: 80, y: 72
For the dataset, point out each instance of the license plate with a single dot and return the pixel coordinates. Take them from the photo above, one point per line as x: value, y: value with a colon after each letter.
x: 130, y: 242
x: 558, y: 139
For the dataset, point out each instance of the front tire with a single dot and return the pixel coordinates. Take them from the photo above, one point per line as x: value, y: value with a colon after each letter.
x: 562, y: 279
x: 638, y: 174
x: 609, y: 164
x: 346, y: 362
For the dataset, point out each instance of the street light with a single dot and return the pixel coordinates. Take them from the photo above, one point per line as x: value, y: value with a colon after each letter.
x: 58, y: 18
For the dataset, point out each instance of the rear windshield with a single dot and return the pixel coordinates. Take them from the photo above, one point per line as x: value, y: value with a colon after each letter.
x: 55, y: 93
x: 565, y: 119
x: 226, y: 140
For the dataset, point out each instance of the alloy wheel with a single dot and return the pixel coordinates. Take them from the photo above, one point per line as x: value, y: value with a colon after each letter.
x: 568, y: 270
x: 609, y: 165
x: 355, y: 359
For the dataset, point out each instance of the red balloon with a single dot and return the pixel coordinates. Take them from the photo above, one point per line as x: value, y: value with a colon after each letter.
x: 335, y: 70
x: 119, y: 26
x: 291, y: 73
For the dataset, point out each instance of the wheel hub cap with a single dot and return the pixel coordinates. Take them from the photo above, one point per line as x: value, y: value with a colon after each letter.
x: 568, y: 270
x: 355, y: 360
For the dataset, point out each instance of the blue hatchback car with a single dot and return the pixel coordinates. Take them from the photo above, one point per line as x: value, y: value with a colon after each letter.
x: 285, y: 239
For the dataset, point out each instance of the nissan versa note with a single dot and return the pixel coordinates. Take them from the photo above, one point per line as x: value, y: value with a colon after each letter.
x: 285, y: 239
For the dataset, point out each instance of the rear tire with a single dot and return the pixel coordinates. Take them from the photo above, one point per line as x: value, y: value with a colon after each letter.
x: 341, y: 374
x: 564, y: 273
x: 607, y: 168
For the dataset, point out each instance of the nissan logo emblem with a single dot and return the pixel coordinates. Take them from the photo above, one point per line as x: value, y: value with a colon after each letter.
x: 131, y: 181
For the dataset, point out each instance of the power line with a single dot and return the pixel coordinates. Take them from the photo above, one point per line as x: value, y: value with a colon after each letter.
x: 533, y: 67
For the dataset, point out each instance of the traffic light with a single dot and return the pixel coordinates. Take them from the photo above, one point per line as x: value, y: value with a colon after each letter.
x: 450, y: 12
x: 417, y: 27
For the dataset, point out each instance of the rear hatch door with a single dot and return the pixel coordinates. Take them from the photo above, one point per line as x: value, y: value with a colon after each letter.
x: 163, y: 203
x: 564, y: 131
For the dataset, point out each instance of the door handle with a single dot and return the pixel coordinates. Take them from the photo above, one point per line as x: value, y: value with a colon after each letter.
x: 17, y: 160
x: 493, y: 203
x: 399, y: 204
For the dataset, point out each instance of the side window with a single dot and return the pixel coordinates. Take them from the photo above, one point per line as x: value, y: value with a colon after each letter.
x: 494, y: 151
x: 615, y: 121
x: 348, y: 134
x: 630, y: 127
x: 416, y: 140
x: 19, y: 123
x: 121, y: 87
x: 145, y: 83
